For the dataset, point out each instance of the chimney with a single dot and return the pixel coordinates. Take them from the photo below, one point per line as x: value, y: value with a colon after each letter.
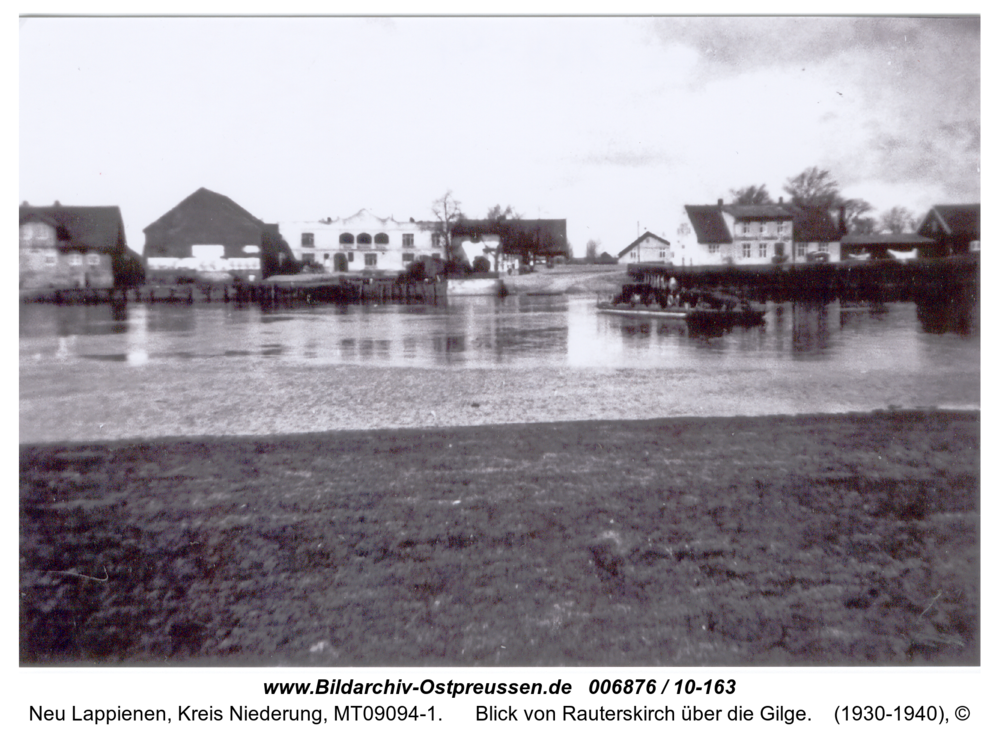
x: 57, y: 204
x: 25, y: 204
x: 720, y: 201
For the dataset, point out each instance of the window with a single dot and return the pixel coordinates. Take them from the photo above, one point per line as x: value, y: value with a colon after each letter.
x: 93, y: 259
x: 436, y: 255
x: 50, y: 259
x: 308, y: 257
x: 346, y: 238
x: 76, y: 259
x: 765, y: 229
x: 435, y: 240
x: 786, y: 227
x: 407, y: 240
x: 350, y: 256
x: 307, y: 239
x: 713, y: 248
x: 371, y: 260
x: 381, y: 238
x: 823, y: 247
x: 663, y: 254
x: 762, y: 250
x: 407, y: 256
x: 746, y: 249
x: 800, y: 249
x: 364, y: 238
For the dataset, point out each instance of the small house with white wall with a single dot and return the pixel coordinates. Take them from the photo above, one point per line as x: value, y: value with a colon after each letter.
x: 648, y: 248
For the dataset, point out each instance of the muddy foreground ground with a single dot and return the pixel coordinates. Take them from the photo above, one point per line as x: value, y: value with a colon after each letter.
x: 811, y: 540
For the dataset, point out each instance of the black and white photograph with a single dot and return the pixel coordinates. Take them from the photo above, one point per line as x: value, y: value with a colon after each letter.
x: 502, y: 342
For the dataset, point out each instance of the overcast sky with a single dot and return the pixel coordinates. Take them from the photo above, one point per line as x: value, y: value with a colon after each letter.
x: 611, y: 123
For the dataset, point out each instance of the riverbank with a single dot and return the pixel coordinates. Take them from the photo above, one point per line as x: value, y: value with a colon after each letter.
x: 809, y: 540
x: 569, y: 279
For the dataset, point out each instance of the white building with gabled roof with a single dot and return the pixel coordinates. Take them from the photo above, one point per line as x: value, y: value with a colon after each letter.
x: 648, y: 248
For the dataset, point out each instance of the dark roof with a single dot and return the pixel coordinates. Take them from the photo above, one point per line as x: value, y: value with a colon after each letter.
x: 815, y: 225
x: 769, y: 210
x: 961, y: 219
x: 647, y: 234
x: 888, y: 240
x: 709, y: 225
x: 540, y: 235
x: 204, y: 217
x: 81, y: 227
x: 205, y: 199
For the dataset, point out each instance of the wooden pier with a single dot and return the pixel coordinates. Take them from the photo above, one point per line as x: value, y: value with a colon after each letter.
x: 884, y: 280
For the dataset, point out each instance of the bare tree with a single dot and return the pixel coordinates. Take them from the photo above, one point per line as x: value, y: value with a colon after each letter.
x: 751, y: 195
x: 448, y: 212
x: 896, y: 220
x: 814, y: 188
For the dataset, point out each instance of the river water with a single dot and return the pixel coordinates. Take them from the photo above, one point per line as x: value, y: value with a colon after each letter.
x: 100, y: 372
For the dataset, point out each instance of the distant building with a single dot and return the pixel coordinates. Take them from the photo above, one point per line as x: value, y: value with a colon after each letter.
x: 521, y: 241
x: 734, y: 234
x: 360, y: 242
x: 648, y: 248
x: 954, y: 229
x: 74, y: 247
x: 209, y: 233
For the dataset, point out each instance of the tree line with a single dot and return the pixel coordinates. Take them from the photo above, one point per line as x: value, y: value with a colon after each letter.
x: 817, y: 188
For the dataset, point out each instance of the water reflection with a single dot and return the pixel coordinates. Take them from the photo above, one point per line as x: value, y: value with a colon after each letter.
x: 521, y: 330
x: 810, y: 329
x: 957, y: 314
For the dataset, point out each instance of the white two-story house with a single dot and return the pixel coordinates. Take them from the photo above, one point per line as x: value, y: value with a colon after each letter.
x: 361, y: 242
x: 723, y: 234
x: 734, y: 234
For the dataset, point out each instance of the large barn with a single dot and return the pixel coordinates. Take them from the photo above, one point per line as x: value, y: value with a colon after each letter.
x: 207, y: 233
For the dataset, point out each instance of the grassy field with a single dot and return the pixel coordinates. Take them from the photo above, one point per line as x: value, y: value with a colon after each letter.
x: 813, y: 540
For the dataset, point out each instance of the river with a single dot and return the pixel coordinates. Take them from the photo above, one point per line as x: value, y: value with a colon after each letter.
x: 99, y: 372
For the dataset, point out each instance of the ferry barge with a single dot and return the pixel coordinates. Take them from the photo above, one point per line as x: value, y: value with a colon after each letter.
x: 654, y: 292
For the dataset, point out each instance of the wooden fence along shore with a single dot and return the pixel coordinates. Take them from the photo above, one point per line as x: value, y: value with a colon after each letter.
x: 306, y: 289
x: 882, y: 280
